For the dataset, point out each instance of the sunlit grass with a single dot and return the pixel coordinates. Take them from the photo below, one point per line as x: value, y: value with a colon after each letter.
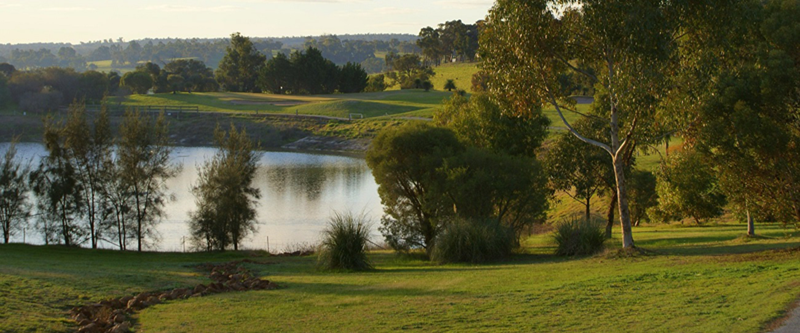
x: 700, y: 279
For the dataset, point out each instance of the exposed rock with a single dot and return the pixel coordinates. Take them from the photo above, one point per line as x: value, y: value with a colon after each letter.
x: 122, y: 327
x: 111, y: 315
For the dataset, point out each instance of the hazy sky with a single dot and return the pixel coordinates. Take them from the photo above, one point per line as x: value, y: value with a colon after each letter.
x: 25, y: 21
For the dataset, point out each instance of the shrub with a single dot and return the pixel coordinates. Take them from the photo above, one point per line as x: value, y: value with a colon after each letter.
x: 473, y: 241
x: 344, y: 243
x: 578, y: 236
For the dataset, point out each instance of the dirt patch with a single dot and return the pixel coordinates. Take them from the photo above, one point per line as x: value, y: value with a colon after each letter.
x: 113, y: 315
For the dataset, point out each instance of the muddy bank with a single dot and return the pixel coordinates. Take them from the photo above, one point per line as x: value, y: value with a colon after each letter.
x: 196, y: 129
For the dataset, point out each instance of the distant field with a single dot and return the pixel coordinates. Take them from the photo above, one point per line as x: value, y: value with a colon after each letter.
x: 105, y: 65
x: 460, y: 73
x: 697, y: 279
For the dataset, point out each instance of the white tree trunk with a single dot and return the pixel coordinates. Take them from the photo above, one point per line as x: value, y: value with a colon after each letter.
x: 622, y: 200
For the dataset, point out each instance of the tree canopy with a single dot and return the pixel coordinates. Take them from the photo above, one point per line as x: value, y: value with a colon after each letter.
x: 626, y: 55
x: 224, y: 194
x: 238, y: 69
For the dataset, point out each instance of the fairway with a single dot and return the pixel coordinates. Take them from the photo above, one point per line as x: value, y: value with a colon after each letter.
x: 697, y: 279
x: 397, y: 103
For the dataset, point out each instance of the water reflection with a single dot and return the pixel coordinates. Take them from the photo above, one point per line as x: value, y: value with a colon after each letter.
x: 299, y: 193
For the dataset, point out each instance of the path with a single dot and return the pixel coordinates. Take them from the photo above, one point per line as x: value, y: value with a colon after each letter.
x: 791, y: 325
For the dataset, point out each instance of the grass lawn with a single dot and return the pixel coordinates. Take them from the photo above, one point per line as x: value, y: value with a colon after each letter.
x: 699, y: 279
x: 399, y: 103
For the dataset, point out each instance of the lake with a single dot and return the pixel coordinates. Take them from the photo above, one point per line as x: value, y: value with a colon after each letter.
x: 299, y: 193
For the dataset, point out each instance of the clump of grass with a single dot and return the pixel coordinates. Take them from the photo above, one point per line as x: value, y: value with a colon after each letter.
x: 473, y: 241
x: 344, y: 244
x: 578, y: 236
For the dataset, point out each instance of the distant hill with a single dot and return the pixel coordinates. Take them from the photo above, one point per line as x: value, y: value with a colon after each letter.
x: 86, y: 48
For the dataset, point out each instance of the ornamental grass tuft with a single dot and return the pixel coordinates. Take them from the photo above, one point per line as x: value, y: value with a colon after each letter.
x: 578, y: 236
x: 344, y: 244
x: 473, y: 241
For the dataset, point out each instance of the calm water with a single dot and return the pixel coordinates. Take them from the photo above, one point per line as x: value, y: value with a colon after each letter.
x: 299, y: 193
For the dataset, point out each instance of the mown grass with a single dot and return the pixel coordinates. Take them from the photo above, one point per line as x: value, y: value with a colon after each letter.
x: 40, y: 284
x: 387, y: 103
x: 697, y: 279
x: 676, y: 290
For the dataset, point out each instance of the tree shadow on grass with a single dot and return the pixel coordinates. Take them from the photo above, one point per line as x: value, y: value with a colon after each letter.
x: 726, y: 249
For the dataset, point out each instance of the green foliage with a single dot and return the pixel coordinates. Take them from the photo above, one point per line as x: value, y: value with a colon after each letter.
x: 7, y: 69
x: 352, y: 78
x: 688, y: 187
x: 743, y: 86
x: 90, y: 150
x: 511, y: 190
x: 5, y: 93
x: 224, y: 194
x: 480, y: 82
x: 238, y: 70
x: 642, y: 194
x: 426, y: 85
x: 451, y: 41
x: 143, y: 166
x: 481, y: 122
x: 473, y: 241
x: 403, y: 161
x: 309, y: 72
x: 176, y: 82
x: 376, y: 83
x: 15, y: 208
x: 195, y: 76
x: 138, y: 82
x: 344, y: 244
x: 628, y: 56
x: 578, y: 236
x: 57, y: 189
x: 408, y: 71
x: 574, y: 166
x: 315, y: 74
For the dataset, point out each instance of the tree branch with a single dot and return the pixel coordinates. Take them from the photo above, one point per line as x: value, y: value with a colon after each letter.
x: 572, y: 130
x: 576, y: 69
x: 628, y: 136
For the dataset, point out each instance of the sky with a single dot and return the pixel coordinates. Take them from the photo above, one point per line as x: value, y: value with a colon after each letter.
x: 74, y: 21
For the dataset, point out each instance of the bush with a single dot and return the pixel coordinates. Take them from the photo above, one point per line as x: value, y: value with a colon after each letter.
x: 578, y: 236
x: 473, y: 241
x: 344, y: 244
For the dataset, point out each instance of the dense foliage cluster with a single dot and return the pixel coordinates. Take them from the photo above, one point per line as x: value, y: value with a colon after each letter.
x: 450, y: 42
x: 224, y: 193
x: 309, y: 72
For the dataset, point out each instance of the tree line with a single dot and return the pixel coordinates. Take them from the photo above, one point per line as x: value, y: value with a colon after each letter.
x: 121, y: 54
x: 244, y: 69
x: 451, y: 41
x: 48, y: 89
x: 93, y: 187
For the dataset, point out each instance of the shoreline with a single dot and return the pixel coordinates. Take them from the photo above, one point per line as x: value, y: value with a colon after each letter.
x: 272, y: 133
